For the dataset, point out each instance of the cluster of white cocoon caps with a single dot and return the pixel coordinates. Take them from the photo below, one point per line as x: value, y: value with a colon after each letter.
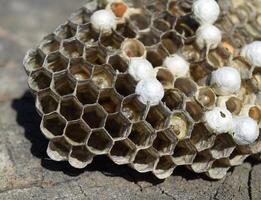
x: 177, y: 65
x: 206, y: 12
x: 252, y: 53
x: 103, y: 21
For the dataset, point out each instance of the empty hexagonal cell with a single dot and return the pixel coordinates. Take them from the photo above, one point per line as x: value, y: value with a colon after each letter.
x: 125, y: 84
x: 133, y: 48
x: 165, y: 142
x: 217, y: 58
x: 156, y: 6
x: 149, y: 38
x: 76, y: 133
x: 184, y: 153
x: 192, y: 53
x: 70, y: 108
x: 223, y: 147
x: 95, y: 55
x: 219, y: 169
x: 47, y: 101
x: 65, y: 31
x: 103, y: 76
x: 33, y: 60
x: 53, y: 125
x: 252, y: 111
x: 56, y: 62
x: 118, y: 63
x: 164, y: 167
x: 117, y: 126
x: 110, y: 100
x: 171, y: 41
x: 80, y: 157
x: 58, y: 149
x: 87, y: 93
x: 112, y: 41
x: 199, y: 72
x: 63, y: 84
x: 126, y: 30
x: 194, y: 109
x: 157, y: 116
x: 40, y: 80
x: 181, y: 124
x: 80, y: 69
x: 206, y: 97
x: 141, y: 20
x: 145, y: 160
x: 94, y: 116
x: 186, y: 85
x: 174, y: 99
x: 233, y: 104
x: 122, y: 152
x: 164, y: 21
x: 202, y: 162
x: 86, y: 34
x: 237, y: 157
x: 81, y: 16
x: 176, y: 8
x: 72, y: 48
x: 99, y: 142
x: 142, y: 135
x: 133, y: 109
x: 242, y: 66
x: 50, y: 44
x: 187, y: 26
x: 165, y: 77
x: 201, y: 138
x: 156, y: 55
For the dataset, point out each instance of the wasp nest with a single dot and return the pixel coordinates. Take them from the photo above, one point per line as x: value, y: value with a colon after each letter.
x: 152, y: 83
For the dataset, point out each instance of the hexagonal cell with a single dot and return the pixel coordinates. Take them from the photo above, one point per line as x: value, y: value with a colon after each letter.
x: 164, y: 167
x: 176, y: 8
x: 119, y: 8
x: 70, y: 108
x: 186, y: 85
x: 81, y: 16
x: 133, y: 109
x: 187, y: 26
x: 254, y: 112
x: 156, y: 6
x: 192, y: 53
x: 53, y: 125
x: 56, y: 62
x: 112, y: 41
x: 219, y: 169
x: 142, y: 135
x: 126, y: 30
x: 99, y: 142
x: 145, y: 160
x: 224, y: 146
x: 202, y: 162
x: 40, y: 80
x: 181, y: 124
x: 80, y: 69
x: 165, y: 142
x: 164, y: 22
x: 58, y: 149
x: 194, y: 109
x: 95, y: 55
x: 199, y: 72
x: 63, y: 84
x: 242, y: 66
x: 33, y: 60
x: 80, y: 157
x: 118, y: 63
x: 165, y: 77
x: 103, y: 76
x: 171, y: 41
x: 217, y: 57
x: 50, y: 44
x: 156, y: 55
x: 94, y: 116
x: 110, y: 100
x: 158, y: 116
x: 122, y: 152
x: 125, y: 84
x: 201, y: 138
x: 133, y: 48
x: 117, y: 126
x: 72, y: 48
x: 141, y: 20
x: 149, y: 38
x: 174, y: 99
x: 47, y: 101
x: 87, y: 93
x: 237, y: 157
x: 206, y: 97
x: 86, y: 34
x: 65, y: 31
x: 76, y: 133
x: 184, y: 153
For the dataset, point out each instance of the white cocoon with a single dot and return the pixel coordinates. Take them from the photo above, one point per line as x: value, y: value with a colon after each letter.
x: 252, y: 53
x: 177, y: 65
